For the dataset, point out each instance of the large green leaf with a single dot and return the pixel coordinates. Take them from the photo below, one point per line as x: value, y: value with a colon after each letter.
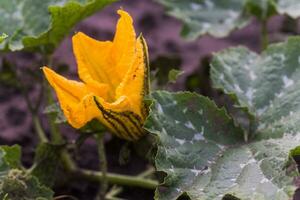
x: 266, y: 85
x: 42, y: 24
x: 214, y: 17
x: 205, y: 157
x: 289, y: 7
x: 219, y: 17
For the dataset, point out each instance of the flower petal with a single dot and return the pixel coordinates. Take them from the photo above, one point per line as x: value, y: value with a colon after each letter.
x: 135, y: 84
x: 123, y: 48
x: 125, y: 124
x: 75, y: 98
x: 81, y: 104
x: 92, y: 58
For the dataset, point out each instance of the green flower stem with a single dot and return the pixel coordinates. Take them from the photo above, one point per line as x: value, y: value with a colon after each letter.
x: 111, y: 195
x: 147, y: 172
x: 56, y: 136
x: 264, y: 35
x: 113, y: 178
x: 33, y: 110
x: 67, y: 161
x: 38, y: 128
x: 103, y: 166
x: 115, y: 190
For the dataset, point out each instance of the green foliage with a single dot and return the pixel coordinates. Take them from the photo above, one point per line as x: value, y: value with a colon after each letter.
x: 55, y: 110
x: 15, y: 183
x: 41, y: 25
x: 9, y: 158
x: 18, y: 185
x: 214, y: 17
x: 163, y: 65
x: 205, y: 156
x: 289, y: 7
x: 267, y: 86
x: 2, y: 37
x: 174, y: 74
x: 46, y: 161
x: 219, y: 17
x: 262, y: 9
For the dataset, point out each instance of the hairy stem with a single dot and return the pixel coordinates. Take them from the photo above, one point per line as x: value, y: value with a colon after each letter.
x: 38, y: 128
x: 103, y: 166
x: 113, y: 178
x: 115, y: 190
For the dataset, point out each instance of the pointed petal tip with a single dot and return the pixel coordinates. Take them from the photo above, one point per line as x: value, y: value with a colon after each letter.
x: 124, y: 14
x: 77, y: 36
x: 47, y: 71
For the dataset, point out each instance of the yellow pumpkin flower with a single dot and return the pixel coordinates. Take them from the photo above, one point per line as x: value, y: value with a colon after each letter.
x: 114, y: 81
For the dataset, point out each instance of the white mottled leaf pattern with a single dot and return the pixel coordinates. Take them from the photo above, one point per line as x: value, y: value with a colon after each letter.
x: 205, y: 156
x: 267, y: 85
x: 214, y: 17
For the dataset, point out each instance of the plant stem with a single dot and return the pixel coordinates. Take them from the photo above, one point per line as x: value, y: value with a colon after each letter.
x: 34, y: 111
x: 115, y: 178
x: 56, y: 136
x: 103, y: 166
x: 67, y: 161
x: 264, y: 34
x: 38, y: 128
x: 147, y: 172
x: 115, y: 190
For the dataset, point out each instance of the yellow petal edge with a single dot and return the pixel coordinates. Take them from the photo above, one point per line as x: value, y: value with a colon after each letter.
x: 115, y: 81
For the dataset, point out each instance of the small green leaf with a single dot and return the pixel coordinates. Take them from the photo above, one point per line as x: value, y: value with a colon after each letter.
x: 214, y: 17
x: 205, y: 156
x: 262, y: 9
x: 162, y: 66
x: 174, y: 74
x: 2, y: 37
x: 10, y: 157
x: 42, y: 24
x: 54, y: 109
x: 46, y: 163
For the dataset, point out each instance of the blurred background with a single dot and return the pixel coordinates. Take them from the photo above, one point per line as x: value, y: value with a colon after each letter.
x: 167, y: 50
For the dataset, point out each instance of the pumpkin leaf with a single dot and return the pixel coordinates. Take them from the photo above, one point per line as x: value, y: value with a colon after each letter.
x: 289, y: 7
x: 220, y: 17
x: 15, y: 183
x: 205, y: 156
x: 265, y: 85
x: 214, y: 17
x: 41, y: 25
x: 10, y: 157
x: 19, y: 185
